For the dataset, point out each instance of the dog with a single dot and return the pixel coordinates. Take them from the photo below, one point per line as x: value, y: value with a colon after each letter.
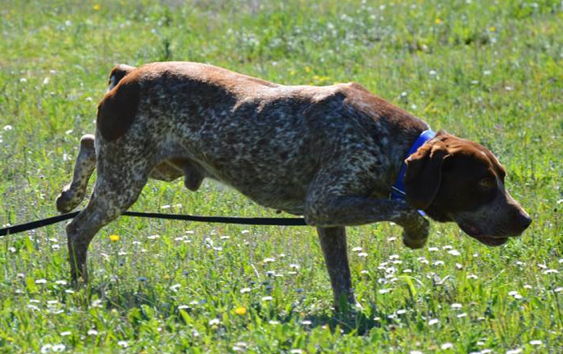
x: 332, y: 154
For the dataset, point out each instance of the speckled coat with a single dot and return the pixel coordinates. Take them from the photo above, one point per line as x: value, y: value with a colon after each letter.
x: 329, y: 153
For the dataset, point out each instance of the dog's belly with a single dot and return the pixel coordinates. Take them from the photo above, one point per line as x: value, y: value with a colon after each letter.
x: 277, y: 185
x: 278, y: 197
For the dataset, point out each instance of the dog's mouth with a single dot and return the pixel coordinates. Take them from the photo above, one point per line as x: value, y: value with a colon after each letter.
x: 479, y: 235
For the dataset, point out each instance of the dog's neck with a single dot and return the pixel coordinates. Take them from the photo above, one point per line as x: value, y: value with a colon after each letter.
x: 398, y: 188
x: 403, y: 139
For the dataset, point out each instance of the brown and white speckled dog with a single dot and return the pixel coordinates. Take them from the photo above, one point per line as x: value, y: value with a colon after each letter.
x: 329, y: 153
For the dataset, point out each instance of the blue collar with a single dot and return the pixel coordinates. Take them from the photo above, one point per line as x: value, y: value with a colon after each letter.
x: 398, y: 189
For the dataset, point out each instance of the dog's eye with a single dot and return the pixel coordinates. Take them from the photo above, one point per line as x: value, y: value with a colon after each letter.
x: 487, y: 183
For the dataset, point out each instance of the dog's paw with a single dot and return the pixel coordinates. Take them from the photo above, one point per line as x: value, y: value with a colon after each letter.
x: 414, y: 243
x: 67, y: 200
x: 416, y: 234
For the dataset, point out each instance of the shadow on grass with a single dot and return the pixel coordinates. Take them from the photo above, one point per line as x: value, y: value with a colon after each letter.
x: 115, y: 297
x: 351, y: 321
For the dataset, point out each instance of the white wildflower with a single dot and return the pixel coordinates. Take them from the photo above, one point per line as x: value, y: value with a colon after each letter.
x: 515, y: 294
x: 514, y: 351
x: 447, y: 345
x: 423, y: 260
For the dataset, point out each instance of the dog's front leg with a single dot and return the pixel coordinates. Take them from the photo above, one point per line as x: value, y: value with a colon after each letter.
x: 333, y: 244
x: 348, y: 211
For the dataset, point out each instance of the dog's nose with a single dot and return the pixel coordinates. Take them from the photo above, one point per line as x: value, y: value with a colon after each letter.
x: 524, y: 220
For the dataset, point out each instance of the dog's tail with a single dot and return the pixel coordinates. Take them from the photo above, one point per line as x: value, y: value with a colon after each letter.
x: 117, y: 73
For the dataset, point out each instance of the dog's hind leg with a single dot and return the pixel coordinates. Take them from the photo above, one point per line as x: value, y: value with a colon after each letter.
x: 119, y: 182
x: 74, y: 192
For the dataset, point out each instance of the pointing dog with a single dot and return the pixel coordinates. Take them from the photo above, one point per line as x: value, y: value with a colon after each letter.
x: 333, y: 154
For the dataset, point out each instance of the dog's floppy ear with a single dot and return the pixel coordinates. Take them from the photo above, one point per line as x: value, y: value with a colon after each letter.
x: 424, y: 174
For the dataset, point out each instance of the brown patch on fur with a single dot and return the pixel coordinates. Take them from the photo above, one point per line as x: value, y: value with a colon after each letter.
x: 117, y: 110
x: 117, y: 73
x: 454, y: 179
x: 445, y: 187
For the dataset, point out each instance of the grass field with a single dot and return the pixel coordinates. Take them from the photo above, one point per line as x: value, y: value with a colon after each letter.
x: 488, y: 71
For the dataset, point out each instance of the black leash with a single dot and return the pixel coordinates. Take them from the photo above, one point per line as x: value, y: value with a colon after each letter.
x: 215, y: 219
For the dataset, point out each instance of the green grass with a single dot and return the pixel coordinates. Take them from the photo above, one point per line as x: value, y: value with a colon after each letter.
x: 488, y: 71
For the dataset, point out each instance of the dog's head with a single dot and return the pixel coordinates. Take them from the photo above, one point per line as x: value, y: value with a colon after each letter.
x: 454, y: 179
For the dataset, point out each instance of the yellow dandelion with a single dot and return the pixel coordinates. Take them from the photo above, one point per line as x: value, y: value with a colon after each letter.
x: 114, y: 238
x: 438, y: 21
x: 308, y: 69
x: 241, y: 311
x: 492, y: 28
x: 97, y: 7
